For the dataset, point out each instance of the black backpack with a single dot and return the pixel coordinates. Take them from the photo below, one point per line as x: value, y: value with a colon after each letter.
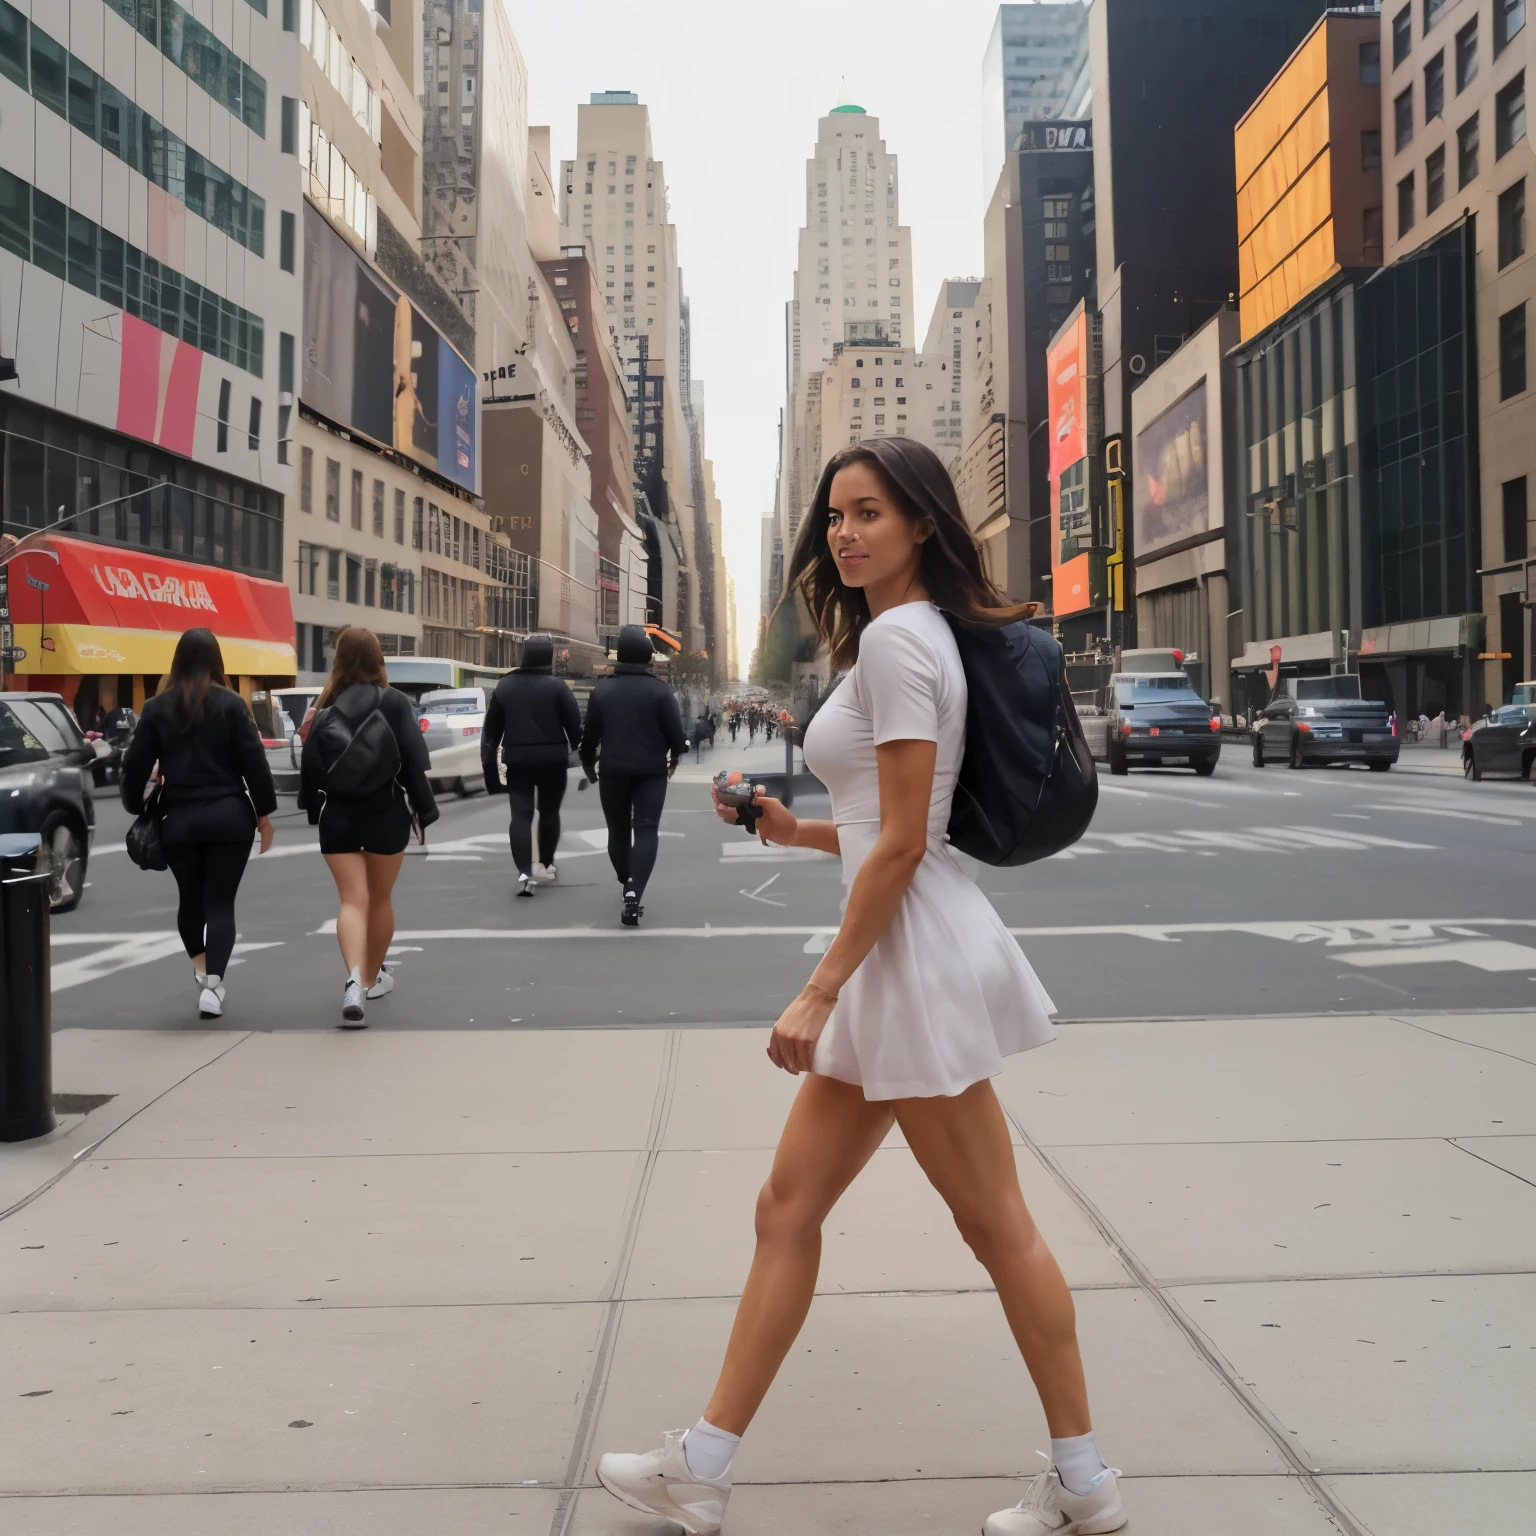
x: 1027, y: 785
x: 356, y: 745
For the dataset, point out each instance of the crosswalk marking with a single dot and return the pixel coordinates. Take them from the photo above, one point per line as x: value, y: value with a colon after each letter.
x: 1247, y: 840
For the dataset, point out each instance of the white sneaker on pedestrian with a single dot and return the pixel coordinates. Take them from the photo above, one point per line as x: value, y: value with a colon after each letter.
x: 352, y: 1006
x: 1050, y: 1509
x: 210, y: 1002
x: 527, y: 885
x: 660, y: 1483
x: 382, y: 986
x: 546, y: 872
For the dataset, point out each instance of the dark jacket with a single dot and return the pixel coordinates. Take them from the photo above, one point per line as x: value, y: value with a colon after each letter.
x: 633, y: 719
x: 410, y: 782
x: 535, y: 720
x: 221, y: 757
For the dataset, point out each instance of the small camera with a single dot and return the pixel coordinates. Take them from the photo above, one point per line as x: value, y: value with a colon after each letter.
x: 735, y: 789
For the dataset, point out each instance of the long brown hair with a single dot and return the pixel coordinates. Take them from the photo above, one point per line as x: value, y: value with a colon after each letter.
x: 197, y: 666
x: 358, y: 659
x: 952, y: 568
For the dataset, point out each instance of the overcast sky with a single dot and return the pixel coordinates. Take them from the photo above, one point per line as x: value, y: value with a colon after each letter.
x: 735, y: 92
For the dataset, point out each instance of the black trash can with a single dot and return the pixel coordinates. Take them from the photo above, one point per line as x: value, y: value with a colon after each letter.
x: 26, y: 1011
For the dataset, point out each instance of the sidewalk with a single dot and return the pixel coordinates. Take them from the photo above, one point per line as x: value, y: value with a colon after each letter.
x: 402, y: 1283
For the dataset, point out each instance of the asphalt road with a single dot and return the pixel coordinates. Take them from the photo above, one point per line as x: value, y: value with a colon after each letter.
x: 1251, y: 892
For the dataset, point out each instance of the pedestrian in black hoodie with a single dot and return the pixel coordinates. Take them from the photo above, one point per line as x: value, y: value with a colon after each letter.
x: 634, y: 725
x: 535, y: 720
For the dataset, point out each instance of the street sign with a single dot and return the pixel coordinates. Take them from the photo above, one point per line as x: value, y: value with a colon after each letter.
x: 13, y: 653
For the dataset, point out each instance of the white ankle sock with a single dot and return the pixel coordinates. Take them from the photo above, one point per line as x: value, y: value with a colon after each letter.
x: 1078, y: 1463
x: 215, y: 982
x: 710, y: 1451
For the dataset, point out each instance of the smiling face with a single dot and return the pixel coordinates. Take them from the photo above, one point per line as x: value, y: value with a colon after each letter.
x: 872, y: 541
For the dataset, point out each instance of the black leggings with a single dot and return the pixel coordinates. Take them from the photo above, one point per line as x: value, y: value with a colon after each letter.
x: 522, y: 784
x: 207, y: 877
x: 636, y: 797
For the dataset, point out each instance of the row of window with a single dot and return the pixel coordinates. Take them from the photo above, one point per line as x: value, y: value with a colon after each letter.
x: 1509, y: 130
x: 333, y: 186
x: 1508, y: 19
x: 331, y: 56
x: 1434, y: 87
x: 192, y: 48
x: 40, y: 229
x: 103, y: 114
x: 339, y: 576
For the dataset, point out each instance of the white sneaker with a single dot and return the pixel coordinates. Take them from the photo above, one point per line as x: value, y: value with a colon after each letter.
x: 352, y: 1006
x: 527, y: 885
x: 660, y: 1483
x: 1050, y: 1509
x: 210, y: 1002
x: 382, y: 986
x: 546, y: 872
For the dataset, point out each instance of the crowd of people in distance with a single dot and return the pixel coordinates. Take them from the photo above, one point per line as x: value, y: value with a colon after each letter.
x: 752, y: 716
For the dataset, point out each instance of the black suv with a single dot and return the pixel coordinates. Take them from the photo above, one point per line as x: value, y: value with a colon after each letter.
x: 45, y: 787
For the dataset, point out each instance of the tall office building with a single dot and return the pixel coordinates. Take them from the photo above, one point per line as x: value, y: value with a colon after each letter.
x: 1035, y: 69
x: 949, y: 348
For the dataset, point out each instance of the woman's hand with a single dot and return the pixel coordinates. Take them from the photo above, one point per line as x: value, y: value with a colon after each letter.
x: 776, y: 824
x: 792, y: 1045
x: 264, y: 826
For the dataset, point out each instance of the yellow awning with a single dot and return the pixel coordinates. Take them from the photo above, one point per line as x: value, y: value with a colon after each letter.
x: 84, y: 649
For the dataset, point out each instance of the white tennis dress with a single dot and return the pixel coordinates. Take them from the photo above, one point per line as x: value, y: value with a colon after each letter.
x: 946, y: 993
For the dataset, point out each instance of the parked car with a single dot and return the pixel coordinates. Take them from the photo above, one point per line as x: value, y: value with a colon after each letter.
x: 453, y: 720
x: 1506, y: 744
x: 1325, y: 720
x: 1157, y: 720
x: 45, y: 787
x: 291, y: 710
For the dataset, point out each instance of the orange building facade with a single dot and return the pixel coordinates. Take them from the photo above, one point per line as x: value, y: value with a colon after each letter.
x: 1308, y: 156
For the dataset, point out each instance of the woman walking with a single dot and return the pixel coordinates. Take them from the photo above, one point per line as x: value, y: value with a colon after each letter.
x: 363, y: 781
x: 215, y: 795
x: 914, y: 1005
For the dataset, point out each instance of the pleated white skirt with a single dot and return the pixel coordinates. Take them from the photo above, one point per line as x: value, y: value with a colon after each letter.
x: 943, y: 996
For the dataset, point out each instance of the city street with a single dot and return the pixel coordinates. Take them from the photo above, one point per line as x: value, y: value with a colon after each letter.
x: 1252, y: 892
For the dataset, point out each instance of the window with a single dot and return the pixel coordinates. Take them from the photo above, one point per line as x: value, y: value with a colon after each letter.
x: 1466, y: 152
x: 1372, y: 234
x: 1434, y: 180
x: 1509, y: 116
x: 1432, y: 10
x: 333, y: 574
x: 253, y: 432
x: 306, y: 480
x: 1516, y: 533
x: 1405, y: 205
x: 357, y: 503
x: 1370, y: 150
x: 1508, y: 19
x: 354, y: 571
x: 1434, y: 88
x: 1512, y: 353
x: 417, y: 517
x: 333, y: 491
x: 399, y: 517
x: 1402, y: 35
x: 1370, y: 63
x: 1466, y: 56
x: 287, y: 235
x: 1402, y: 118
x: 1512, y: 223
x: 378, y: 509
x: 370, y: 582
x: 290, y: 125
x: 222, y: 443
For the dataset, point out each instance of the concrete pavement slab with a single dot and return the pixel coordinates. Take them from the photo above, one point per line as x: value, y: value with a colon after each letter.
x: 399, y: 1512
x: 1401, y: 1375
x: 1512, y: 1033
x: 1158, y: 1506
x: 317, y: 1095
x: 1432, y: 1504
x: 245, y: 1400
x: 355, y: 1231
x: 889, y: 1232
x: 1235, y: 1080
x: 907, y: 1386
x: 134, y: 1066
x: 1274, y: 1209
x: 1515, y: 1154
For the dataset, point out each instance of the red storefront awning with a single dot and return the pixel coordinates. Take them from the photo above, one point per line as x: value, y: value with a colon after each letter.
x: 78, y: 607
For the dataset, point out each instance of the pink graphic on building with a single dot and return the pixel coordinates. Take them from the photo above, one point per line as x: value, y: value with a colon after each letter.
x: 158, y: 382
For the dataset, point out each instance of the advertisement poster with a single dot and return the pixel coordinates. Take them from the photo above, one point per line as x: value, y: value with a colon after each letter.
x: 1173, y: 475
x: 375, y: 364
x: 1067, y: 411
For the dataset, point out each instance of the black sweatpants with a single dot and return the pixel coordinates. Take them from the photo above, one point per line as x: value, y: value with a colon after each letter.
x: 632, y: 801
x: 523, y: 784
x: 207, y: 878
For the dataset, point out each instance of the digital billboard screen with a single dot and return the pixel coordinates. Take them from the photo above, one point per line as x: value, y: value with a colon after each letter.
x: 1071, y: 516
x: 375, y: 364
x: 1173, y: 494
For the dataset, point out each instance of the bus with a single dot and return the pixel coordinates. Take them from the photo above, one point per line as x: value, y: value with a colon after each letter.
x: 416, y: 675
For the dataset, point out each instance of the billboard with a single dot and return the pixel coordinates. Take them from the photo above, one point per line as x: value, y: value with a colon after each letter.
x: 1066, y: 364
x: 375, y: 364
x: 1173, y: 493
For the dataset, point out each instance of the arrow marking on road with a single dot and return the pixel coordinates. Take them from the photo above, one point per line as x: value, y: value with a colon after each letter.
x: 758, y: 896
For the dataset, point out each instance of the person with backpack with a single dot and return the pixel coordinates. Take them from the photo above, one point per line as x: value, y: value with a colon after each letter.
x: 363, y: 782
x: 215, y: 795
x: 534, y: 720
x: 635, y: 727
x: 917, y: 1000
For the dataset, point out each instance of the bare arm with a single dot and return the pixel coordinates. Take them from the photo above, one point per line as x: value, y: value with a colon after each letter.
x: 778, y: 824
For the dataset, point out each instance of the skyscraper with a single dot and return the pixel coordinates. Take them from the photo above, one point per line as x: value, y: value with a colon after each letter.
x: 1035, y: 69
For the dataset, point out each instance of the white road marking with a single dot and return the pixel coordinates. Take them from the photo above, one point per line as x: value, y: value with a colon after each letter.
x: 754, y: 852
x: 1482, y: 954
x: 757, y: 895
x: 1437, y: 810
x: 130, y: 951
x: 1248, y: 840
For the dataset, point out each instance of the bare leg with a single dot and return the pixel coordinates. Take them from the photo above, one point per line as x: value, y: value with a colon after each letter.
x: 350, y: 872
x: 831, y: 1133
x: 383, y: 869
x: 962, y: 1145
